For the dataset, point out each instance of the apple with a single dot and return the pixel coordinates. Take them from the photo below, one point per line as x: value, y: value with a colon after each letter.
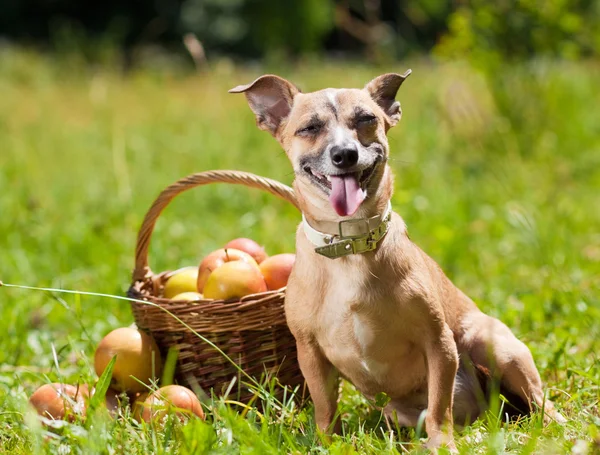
x: 216, y: 259
x: 188, y: 296
x: 171, y: 398
x: 234, y: 280
x: 249, y: 246
x: 137, y: 357
x: 277, y: 270
x: 57, y: 401
x: 183, y: 280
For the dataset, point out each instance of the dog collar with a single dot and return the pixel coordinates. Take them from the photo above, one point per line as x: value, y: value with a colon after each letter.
x: 353, y: 236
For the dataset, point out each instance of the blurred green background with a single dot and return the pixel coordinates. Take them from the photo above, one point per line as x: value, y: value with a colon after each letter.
x: 373, y: 29
x: 497, y: 163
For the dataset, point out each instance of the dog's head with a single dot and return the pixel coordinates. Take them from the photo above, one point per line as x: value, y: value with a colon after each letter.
x: 335, y: 138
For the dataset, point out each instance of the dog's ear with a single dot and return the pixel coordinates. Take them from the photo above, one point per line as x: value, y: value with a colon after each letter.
x: 270, y: 97
x: 383, y: 90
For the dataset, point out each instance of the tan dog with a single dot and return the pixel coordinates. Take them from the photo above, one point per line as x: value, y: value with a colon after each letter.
x: 363, y: 301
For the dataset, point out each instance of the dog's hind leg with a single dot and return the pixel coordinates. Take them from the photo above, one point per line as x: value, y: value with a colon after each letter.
x: 492, y: 345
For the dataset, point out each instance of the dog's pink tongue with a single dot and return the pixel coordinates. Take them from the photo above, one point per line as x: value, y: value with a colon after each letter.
x: 346, y: 195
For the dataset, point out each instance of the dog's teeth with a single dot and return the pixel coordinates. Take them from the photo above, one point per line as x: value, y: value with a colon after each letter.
x: 328, y: 178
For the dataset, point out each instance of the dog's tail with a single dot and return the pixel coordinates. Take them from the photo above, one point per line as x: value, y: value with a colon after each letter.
x: 475, y: 388
x: 514, y: 405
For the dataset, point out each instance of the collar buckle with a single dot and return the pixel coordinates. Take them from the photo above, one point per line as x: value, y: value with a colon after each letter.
x: 355, y: 236
x: 357, y: 224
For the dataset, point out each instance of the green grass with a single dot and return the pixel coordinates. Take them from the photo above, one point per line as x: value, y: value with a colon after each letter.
x: 498, y: 179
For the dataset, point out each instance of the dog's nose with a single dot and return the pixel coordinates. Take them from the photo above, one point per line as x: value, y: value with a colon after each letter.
x: 344, y: 157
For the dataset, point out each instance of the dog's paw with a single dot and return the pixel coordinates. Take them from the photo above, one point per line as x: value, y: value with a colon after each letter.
x: 441, y: 440
x: 551, y: 414
x: 326, y: 430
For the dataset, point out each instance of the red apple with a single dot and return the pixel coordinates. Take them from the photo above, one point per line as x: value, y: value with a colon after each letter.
x: 277, y: 270
x: 57, y: 401
x: 176, y: 398
x: 249, y: 246
x: 234, y: 279
x: 216, y: 259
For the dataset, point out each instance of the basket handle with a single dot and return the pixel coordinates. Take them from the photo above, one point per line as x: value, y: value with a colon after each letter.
x: 142, y: 271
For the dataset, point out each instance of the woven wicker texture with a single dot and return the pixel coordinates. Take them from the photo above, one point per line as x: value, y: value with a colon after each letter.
x: 252, y: 331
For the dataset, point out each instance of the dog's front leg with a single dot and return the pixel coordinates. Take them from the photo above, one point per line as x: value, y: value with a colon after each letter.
x: 322, y: 380
x: 442, y: 365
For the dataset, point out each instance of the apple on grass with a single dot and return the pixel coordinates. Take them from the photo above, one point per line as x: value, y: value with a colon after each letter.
x: 216, y: 259
x: 181, y: 400
x: 138, y: 359
x: 56, y: 401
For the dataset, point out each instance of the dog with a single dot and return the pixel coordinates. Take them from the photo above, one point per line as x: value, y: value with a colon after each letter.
x: 363, y: 301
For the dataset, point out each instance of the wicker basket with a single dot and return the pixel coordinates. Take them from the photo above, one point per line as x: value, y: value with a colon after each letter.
x: 252, y: 331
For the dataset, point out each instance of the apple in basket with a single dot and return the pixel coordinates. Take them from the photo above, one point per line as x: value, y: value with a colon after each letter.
x: 183, y: 280
x: 217, y: 259
x: 57, y: 401
x: 277, y: 269
x: 234, y: 279
x: 249, y: 246
x: 188, y: 296
x: 138, y: 359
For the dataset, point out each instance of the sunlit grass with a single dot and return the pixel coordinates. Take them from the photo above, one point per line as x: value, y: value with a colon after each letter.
x: 497, y: 178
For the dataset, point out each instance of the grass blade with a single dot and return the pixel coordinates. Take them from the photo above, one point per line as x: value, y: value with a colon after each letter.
x: 102, y: 385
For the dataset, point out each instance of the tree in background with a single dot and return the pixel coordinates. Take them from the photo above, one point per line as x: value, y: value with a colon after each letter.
x: 258, y: 27
x: 509, y: 30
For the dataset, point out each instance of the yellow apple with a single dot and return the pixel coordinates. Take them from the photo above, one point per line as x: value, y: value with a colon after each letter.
x: 216, y: 259
x: 137, y: 357
x: 234, y: 279
x: 188, y: 296
x: 183, y: 280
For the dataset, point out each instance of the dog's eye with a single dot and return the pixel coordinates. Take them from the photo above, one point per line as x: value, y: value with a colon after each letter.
x: 313, y: 128
x: 366, y: 119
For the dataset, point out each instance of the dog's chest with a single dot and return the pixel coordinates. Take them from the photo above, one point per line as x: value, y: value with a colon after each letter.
x: 365, y: 335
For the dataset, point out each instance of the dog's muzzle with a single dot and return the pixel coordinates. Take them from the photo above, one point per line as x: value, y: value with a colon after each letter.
x: 353, y: 236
